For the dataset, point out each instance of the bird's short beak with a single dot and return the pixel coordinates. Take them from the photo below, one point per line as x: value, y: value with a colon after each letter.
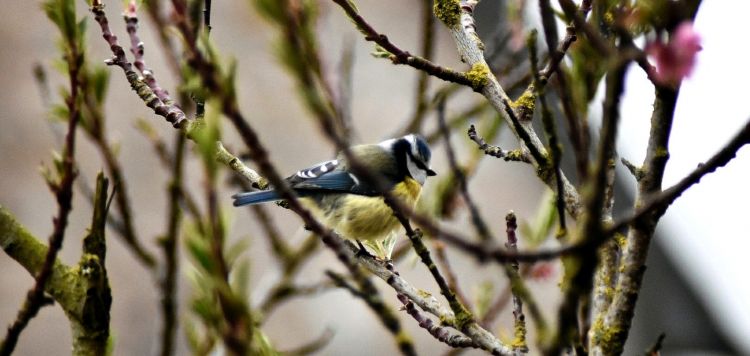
x: 430, y: 172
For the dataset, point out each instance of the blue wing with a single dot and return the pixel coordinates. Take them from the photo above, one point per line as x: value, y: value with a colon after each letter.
x: 249, y: 198
x: 322, y: 177
x: 313, y: 172
x: 336, y: 181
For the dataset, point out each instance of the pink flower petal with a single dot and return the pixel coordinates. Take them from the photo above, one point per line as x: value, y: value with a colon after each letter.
x: 676, y: 59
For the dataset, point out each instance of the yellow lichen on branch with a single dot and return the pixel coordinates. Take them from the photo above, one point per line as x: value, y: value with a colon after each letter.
x: 478, y: 75
x: 448, y: 11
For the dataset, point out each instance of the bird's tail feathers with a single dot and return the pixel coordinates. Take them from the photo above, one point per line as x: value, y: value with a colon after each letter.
x: 250, y: 198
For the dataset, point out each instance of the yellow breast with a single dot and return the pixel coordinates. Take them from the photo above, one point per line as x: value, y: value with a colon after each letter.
x: 369, y: 218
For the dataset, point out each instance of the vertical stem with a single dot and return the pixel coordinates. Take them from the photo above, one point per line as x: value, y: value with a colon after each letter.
x: 169, y: 246
x: 428, y: 34
x: 519, y: 342
x: 580, y: 268
x: 64, y: 195
x: 612, y: 333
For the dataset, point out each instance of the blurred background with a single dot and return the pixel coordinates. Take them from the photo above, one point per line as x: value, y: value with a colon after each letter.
x: 694, y: 290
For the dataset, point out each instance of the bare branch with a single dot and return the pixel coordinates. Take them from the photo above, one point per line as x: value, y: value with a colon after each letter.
x: 399, y: 56
x: 519, y: 342
x: 62, y: 188
x: 479, y: 224
x: 460, y: 23
x: 443, y: 334
x: 495, y: 151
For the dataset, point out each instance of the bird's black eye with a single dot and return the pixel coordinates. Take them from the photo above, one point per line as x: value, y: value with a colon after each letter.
x: 422, y: 166
x: 419, y: 163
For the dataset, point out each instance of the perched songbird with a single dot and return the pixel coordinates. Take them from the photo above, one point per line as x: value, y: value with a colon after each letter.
x: 348, y: 204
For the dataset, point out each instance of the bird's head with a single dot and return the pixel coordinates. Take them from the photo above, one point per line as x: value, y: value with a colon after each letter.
x: 413, y: 154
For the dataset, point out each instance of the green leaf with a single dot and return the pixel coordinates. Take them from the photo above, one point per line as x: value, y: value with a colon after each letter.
x: 99, y: 77
x: 241, y: 279
x: 484, y: 296
x: 197, y: 246
x: 263, y: 344
x: 543, y: 223
x: 380, y: 52
x: 207, y: 136
x: 235, y: 250
x: 59, y: 113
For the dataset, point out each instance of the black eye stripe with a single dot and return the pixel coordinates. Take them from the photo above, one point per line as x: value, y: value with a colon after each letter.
x: 419, y: 163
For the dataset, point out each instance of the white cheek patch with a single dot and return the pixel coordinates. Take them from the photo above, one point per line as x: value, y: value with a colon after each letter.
x: 412, y: 144
x: 418, y: 174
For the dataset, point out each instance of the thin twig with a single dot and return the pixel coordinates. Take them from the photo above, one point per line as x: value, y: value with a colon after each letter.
x: 210, y: 76
x: 171, y: 113
x: 579, y: 281
x: 471, y: 51
x: 63, y: 190
x: 577, y: 128
x: 399, y: 56
x: 578, y: 17
x: 655, y: 349
x: 659, y: 203
x: 441, y: 333
x: 314, y: 346
x: 481, y: 106
x: 459, y: 119
x: 550, y: 130
x: 557, y: 49
x: 450, y: 275
x: 463, y: 315
x: 479, y: 224
x: 378, y: 306
x: 495, y: 151
x: 168, y: 284
x: 235, y: 338
x: 166, y: 159
x: 345, y: 85
x: 519, y: 342
x: 463, y: 320
x: 161, y: 25
x: 137, y: 48
x: 125, y: 226
x: 207, y: 15
x: 635, y: 171
x: 428, y: 48
x: 537, y: 154
x: 285, y: 292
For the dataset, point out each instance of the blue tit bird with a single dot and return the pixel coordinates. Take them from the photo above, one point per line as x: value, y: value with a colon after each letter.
x: 351, y: 206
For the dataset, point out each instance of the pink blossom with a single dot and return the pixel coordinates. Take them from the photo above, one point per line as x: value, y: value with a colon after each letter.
x: 130, y: 11
x: 542, y: 271
x: 676, y: 59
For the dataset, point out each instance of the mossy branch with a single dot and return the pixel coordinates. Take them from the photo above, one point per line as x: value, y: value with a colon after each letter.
x: 82, y: 291
x: 471, y: 50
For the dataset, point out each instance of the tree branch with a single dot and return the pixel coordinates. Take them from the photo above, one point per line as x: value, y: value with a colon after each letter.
x: 398, y: 56
x: 81, y: 291
x: 62, y: 187
x: 519, y: 342
x: 659, y: 203
x: 443, y: 334
x: 460, y: 23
